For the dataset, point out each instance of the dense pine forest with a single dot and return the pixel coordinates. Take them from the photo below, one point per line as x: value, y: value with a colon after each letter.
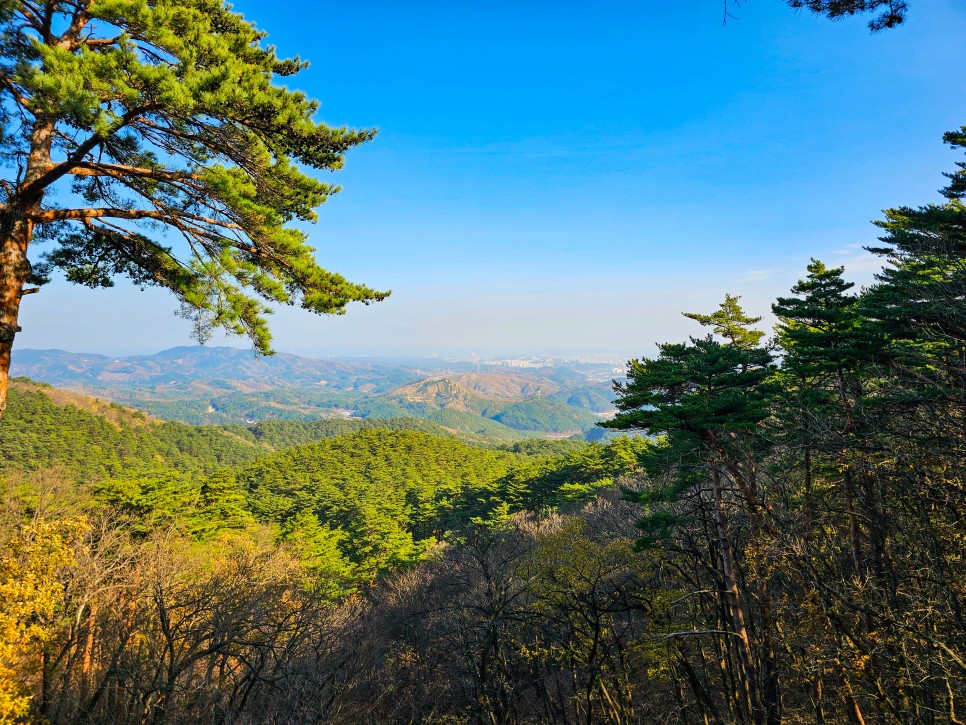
x: 251, y: 537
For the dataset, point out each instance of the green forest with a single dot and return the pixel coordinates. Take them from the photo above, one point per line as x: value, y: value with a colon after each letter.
x: 323, y: 511
x: 770, y: 529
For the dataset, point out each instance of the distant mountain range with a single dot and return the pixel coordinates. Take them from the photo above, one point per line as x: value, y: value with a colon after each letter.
x: 179, y: 367
x: 222, y: 385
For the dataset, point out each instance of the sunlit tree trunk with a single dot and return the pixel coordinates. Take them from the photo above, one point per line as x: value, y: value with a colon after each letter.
x: 14, y: 271
x: 16, y: 231
x: 733, y: 595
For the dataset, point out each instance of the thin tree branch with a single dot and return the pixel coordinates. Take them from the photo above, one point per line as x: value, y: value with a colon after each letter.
x: 100, y: 42
x: 64, y: 168
x: 169, y: 216
x: 119, y: 171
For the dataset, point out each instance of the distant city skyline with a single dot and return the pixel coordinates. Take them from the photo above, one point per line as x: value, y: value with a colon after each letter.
x: 550, y: 179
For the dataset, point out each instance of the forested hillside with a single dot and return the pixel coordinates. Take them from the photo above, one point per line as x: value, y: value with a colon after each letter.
x: 287, y: 433
x: 44, y: 427
x: 99, y: 499
x: 377, y: 493
x: 225, y: 386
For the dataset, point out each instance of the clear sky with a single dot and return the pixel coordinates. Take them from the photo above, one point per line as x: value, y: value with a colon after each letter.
x: 569, y: 177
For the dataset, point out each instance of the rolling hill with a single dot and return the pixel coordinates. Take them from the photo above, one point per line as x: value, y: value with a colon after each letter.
x: 228, y: 386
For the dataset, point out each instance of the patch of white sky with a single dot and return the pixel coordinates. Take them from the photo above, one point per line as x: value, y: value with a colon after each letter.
x: 550, y: 179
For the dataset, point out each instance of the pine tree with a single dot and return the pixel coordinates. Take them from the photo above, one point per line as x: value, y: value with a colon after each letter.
x: 165, y: 120
x: 222, y: 504
x: 828, y: 347
x: 731, y: 323
x: 820, y: 328
x: 708, y: 401
x: 889, y: 13
x: 917, y: 302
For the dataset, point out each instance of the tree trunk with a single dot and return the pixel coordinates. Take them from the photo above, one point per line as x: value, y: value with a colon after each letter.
x: 733, y: 595
x: 852, y: 709
x: 855, y: 533
x: 15, y: 231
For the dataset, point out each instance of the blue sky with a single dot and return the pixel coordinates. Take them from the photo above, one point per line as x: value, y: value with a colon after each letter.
x: 551, y: 177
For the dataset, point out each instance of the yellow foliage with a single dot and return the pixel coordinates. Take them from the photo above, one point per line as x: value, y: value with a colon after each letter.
x: 33, y: 556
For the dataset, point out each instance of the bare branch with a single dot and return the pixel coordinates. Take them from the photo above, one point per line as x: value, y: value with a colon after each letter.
x: 120, y: 171
x: 30, y: 15
x: 21, y: 100
x: 100, y: 42
x: 169, y: 216
x: 59, y: 170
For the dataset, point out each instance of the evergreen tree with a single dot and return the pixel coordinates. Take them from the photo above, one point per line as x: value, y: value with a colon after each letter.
x: 165, y: 119
x: 829, y: 347
x: 730, y: 322
x: 318, y: 549
x: 708, y: 400
x: 889, y: 13
x: 222, y: 504
x: 821, y: 327
x: 917, y: 302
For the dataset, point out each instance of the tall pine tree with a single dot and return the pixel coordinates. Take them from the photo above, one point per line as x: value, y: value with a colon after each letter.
x: 182, y: 153
x: 707, y: 400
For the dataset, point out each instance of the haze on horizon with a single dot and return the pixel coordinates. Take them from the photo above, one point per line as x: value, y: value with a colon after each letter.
x: 550, y: 181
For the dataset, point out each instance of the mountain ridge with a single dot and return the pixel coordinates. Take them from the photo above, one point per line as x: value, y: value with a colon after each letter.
x: 225, y: 386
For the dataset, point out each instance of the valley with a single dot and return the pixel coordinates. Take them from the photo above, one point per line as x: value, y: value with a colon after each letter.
x: 226, y: 386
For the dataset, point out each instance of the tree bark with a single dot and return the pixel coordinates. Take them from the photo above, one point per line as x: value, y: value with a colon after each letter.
x: 733, y: 595
x: 15, y: 230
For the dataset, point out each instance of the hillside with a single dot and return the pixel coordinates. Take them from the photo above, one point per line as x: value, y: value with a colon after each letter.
x: 511, y: 401
x: 443, y: 392
x: 226, y: 386
x: 45, y: 427
x: 277, y: 434
x: 598, y: 397
x: 505, y: 386
x: 353, y: 497
x: 386, y: 493
x: 234, y: 540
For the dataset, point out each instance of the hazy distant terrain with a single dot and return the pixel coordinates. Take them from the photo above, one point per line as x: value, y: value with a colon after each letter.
x: 507, y: 400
